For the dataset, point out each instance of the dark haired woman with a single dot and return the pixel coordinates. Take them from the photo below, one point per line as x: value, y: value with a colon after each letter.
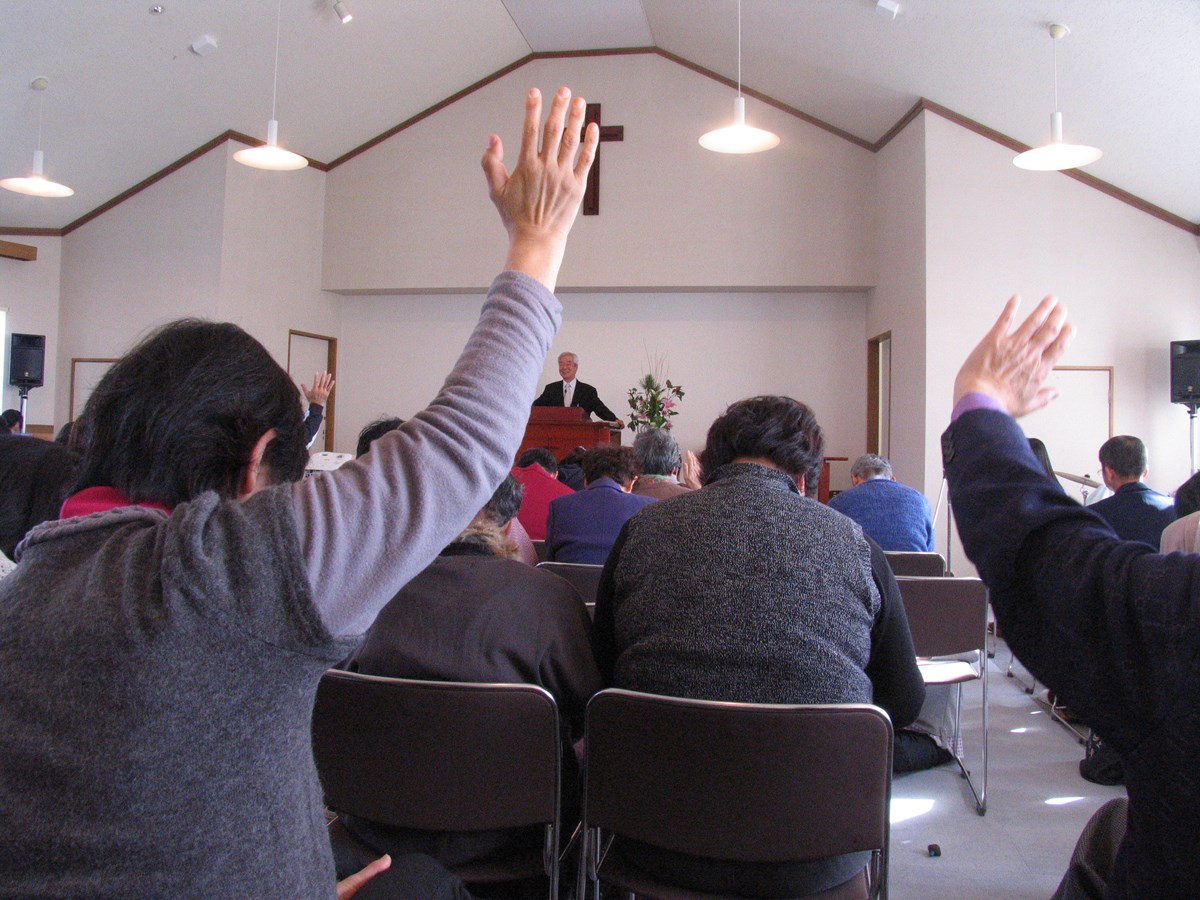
x: 161, y: 646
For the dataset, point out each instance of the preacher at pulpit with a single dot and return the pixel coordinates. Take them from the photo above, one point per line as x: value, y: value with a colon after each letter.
x: 572, y: 392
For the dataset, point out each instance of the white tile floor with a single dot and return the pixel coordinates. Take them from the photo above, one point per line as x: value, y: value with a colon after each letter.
x: 1037, y: 805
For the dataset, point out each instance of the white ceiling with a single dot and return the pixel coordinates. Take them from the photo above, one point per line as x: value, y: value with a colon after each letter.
x: 127, y: 97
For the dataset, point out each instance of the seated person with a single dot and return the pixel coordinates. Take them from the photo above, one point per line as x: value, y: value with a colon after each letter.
x: 476, y: 614
x: 1184, y: 533
x: 37, y: 476
x: 582, y: 527
x: 317, y: 396
x: 658, y: 453
x: 164, y: 640
x: 1135, y: 512
x: 536, y: 470
x: 570, y: 469
x: 893, y: 515
x: 749, y: 591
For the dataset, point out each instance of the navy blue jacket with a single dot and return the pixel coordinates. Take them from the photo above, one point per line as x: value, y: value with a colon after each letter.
x: 1111, y: 626
x: 582, y: 527
x: 1137, y: 513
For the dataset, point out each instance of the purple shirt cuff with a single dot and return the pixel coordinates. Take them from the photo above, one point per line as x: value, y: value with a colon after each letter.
x: 975, y: 400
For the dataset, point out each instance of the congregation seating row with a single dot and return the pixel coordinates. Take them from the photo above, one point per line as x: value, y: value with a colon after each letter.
x: 451, y: 756
x: 672, y: 772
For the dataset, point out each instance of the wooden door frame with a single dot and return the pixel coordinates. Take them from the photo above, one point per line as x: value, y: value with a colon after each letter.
x: 873, y: 381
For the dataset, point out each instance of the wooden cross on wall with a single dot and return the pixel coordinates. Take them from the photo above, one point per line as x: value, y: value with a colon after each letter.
x: 591, y: 195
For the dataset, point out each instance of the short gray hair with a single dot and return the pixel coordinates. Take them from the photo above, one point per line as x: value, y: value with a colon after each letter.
x: 870, y: 466
x: 658, y: 451
x: 574, y: 356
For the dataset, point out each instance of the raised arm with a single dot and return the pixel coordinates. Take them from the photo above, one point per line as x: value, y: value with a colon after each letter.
x: 1101, y: 621
x: 369, y: 527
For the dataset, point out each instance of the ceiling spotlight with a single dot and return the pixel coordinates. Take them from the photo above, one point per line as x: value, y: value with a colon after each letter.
x: 739, y: 137
x: 35, y: 183
x: 270, y: 155
x: 340, y: 8
x: 1056, y: 155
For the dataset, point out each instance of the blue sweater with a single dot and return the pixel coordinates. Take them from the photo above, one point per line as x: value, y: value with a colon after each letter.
x: 893, y: 515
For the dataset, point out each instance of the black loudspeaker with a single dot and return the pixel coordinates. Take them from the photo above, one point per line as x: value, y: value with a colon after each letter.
x: 1185, y: 372
x: 27, y: 363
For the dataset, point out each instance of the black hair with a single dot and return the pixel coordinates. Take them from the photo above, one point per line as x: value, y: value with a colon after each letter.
x: 780, y: 429
x: 1043, y: 455
x: 10, y: 419
x: 180, y: 413
x: 505, y: 502
x: 1125, y: 455
x: 373, y: 431
x: 1187, y: 497
x: 538, y: 456
x: 658, y: 451
x: 618, y: 463
x: 37, y: 476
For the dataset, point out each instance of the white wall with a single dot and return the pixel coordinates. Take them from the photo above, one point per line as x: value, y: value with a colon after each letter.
x: 898, y: 302
x: 154, y: 257
x: 412, y: 214
x: 271, y: 255
x: 721, y: 347
x: 29, y: 291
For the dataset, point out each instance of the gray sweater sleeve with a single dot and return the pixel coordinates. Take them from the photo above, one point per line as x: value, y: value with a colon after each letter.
x: 369, y: 527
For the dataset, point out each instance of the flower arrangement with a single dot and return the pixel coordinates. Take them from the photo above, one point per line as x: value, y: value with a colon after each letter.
x: 653, y: 400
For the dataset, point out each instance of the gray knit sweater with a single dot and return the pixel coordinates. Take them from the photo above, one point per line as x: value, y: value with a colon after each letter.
x: 157, y: 673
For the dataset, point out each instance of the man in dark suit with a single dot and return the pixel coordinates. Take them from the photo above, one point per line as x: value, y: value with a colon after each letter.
x: 571, y: 392
x: 1135, y: 512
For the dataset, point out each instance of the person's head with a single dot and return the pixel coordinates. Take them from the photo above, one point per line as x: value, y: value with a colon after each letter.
x: 657, y: 451
x: 780, y: 430
x: 1043, y: 455
x: 568, y: 365
x: 618, y: 463
x: 490, y: 527
x: 1187, y: 497
x: 868, y: 467
x: 37, y: 477
x: 64, y: 434
x: 1122, y: 460
x: 538, y: 456
x: 374, y: 431
x: 574, y: 458
x: 195, y: 406
x: 10, y: 420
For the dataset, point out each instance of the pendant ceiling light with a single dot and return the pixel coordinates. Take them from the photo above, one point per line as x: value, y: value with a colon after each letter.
x: 270, y: 155
x: 35, y: 183
x: 739, y: 137
x: 1056, y: 156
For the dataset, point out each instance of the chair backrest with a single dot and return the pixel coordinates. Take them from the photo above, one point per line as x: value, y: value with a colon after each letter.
x: 739, y: 781
x: 905, y: 562
x: 435, y: 755
x: 945, y: 615
x: 585, y: 577
x: 540, y: 548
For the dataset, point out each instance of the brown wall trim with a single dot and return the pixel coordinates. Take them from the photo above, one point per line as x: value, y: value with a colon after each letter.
x: 922, y: 105
x: 22, y: 252
x: 1016, y: 146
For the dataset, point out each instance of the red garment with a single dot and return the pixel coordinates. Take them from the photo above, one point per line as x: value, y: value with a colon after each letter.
x: 100, y: 499
x: 540, y: 488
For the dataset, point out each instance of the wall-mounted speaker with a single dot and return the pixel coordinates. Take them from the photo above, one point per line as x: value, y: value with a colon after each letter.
x: 27, y: 361
x: 1185, y: 372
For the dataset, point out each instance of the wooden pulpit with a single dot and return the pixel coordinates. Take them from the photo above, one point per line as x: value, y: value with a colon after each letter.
x: 560, y: 429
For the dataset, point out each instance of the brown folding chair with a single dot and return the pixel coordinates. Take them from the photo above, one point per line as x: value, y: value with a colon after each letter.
x: 584, y: 577
x: 733, y: 781
x: 905, y: 562
x: 444, y: 756
x: 947, y: 618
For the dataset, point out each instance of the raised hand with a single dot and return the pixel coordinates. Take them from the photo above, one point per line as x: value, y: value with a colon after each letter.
x: 321, y: 389
x: 539, y: 200
x: 1012, y: 366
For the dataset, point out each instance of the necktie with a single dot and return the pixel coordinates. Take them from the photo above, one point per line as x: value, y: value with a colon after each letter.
x: 566, y: 393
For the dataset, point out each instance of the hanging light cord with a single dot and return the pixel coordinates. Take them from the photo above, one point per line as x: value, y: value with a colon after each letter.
x: 739, y: 48
x: 1055, y: 73
x: 41, y: 100
x: 275, y: 81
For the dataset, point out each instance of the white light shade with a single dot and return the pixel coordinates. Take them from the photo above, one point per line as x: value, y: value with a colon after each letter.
x: 36, y: 184
x: 739, y: 137
x: 342, y: 13
x: 1056, y: 156
x: 270, y: 155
